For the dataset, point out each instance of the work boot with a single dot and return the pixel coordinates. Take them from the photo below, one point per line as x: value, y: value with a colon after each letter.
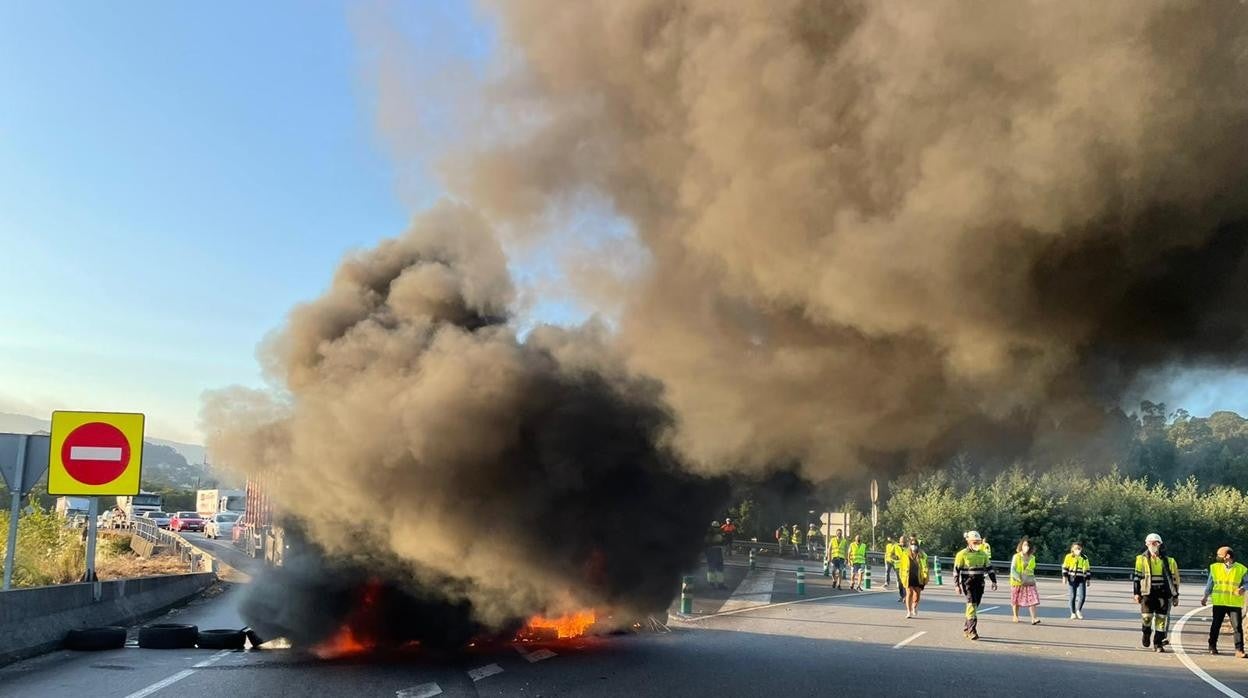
x: 974, y: 635
x: 1147, y: 639
x: 1160, y: 649
x: 1213, y: 649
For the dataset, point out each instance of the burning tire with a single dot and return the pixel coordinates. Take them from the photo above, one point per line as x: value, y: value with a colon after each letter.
x: 95, y: 639
x: 224, y: 639
x: 168, y: 636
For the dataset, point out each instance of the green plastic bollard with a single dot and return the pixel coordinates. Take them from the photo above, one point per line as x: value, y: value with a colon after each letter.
x: 801, y: 581
x: 686, y: 595
x: 866, y: 584
x: 827, y: 569
x: 939, y: 580
x: 752, y: 564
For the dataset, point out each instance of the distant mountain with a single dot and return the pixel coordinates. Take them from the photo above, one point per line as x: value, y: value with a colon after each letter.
x: 167, y: 463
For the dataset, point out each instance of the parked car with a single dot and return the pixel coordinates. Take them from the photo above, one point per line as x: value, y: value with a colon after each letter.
x: 161, y: 518
x: 221, y: 524
x: 187, y: 521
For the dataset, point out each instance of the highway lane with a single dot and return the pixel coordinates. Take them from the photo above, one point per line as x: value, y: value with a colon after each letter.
x: 745, y: 641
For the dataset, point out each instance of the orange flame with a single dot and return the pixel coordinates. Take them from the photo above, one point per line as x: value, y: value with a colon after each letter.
x: 571, y: 625
x: 343, y: 643
x: 348, y: 640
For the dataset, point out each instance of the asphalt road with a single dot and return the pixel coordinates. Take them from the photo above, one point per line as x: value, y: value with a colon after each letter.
x: 759, y: 638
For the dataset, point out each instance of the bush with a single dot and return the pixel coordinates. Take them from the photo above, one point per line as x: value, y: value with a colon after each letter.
x: 1111, y: 514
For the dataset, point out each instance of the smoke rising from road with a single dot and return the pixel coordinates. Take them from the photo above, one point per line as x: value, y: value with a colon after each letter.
x: 868, y: 228
x: 477, y: 476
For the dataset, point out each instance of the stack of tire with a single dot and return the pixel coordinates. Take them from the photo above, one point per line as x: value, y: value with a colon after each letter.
x: 158, y: 636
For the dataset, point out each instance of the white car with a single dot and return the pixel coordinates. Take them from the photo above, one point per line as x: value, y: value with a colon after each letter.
x: 221, y: 524
x: 161, y: 518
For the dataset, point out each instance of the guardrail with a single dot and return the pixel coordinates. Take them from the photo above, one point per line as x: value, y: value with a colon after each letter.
x: 158, y: 538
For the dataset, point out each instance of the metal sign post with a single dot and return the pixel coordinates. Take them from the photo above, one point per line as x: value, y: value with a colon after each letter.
x: 93, y: 510
x: 875, y: 512
x: 15, y: 510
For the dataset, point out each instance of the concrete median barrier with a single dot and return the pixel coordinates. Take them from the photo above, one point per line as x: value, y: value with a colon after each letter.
x: 36, y: 620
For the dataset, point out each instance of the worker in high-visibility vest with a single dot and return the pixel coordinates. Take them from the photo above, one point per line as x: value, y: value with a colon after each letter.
x: 903, y: 544
x: 812, y: 541
x: 858, y: 562
x: 714, y: 550
x: 889, y: 561
x: 797, y: 538
x: 834, y: 556
x: 1077, y: 573
x: 970, y: 566
x: 1228, y: 580
x: 1155, y: 587
x: 912, y: 575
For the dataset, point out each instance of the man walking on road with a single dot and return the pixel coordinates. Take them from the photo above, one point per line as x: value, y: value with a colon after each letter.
x: 903, y: 544
x: 1155, y: 585
x: 834, y: 556
x: 970, y: 566
x: 797, y: 539
x: 812, y: 541
x: 858, y: 562
x: 715, y: 557
x: 782, y: 538
x: 889, y: 562
x: 729, y: 530
x: 1226, y: 585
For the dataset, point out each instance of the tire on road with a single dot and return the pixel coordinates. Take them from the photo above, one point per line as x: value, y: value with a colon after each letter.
x: 223, y: 639
x: 96, y: 639
x: 168, y: 636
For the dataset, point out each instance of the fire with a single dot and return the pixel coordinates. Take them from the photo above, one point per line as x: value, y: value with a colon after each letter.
x: 571, y: 625
x: 351, y: 638
x: 342, y: 644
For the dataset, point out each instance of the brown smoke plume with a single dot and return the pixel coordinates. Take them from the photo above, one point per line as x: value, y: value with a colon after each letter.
x: 478, y: 477
x: 872, y: 225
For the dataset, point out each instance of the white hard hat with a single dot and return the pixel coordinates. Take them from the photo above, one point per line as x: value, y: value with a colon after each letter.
x: 1152, y: 537
x: 714, y: 523
x: 973, y: 535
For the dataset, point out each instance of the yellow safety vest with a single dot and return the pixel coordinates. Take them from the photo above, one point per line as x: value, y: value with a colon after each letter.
x: 1225, y: 582
x: 858, y: 553
x: 890, y: 550
x: 903, y: 568
x: 836, y: 547
x: 1019, y: 571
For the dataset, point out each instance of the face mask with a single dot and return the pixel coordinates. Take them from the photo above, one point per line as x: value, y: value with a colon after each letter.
x: 1078, y: 551
x: 974, y: 546
x: 914, y: 548
x: 1026, y: 548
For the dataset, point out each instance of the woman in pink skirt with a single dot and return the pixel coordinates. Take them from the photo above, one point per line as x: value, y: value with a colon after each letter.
x: 1023, y: 581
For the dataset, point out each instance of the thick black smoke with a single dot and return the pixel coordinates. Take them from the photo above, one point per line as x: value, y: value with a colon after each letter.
x: 478, y: 478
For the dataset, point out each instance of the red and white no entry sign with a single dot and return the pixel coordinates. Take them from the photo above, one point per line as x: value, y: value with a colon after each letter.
x: 95, y: 453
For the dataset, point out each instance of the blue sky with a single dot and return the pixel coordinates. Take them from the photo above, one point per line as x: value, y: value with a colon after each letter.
x: 175, y: 176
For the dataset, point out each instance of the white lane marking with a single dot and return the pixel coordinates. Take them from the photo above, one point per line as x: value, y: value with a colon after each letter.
x: 94, y: 453
x: 1176, y: 639
x: 161, y: 684
x: 482, y: 672
x: 990, y: 608
x: 910, y: 639
x: 213, y: 659
x: 539, y: 655
x: 753, y: 591
x: 424, y: 690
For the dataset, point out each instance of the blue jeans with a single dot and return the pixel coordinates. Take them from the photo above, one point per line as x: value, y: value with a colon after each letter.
x: 1076, y: 592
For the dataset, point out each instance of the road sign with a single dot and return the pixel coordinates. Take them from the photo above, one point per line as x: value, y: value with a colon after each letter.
x: 95, y: 453
x: 875, y: 491
x: 20, y: 477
